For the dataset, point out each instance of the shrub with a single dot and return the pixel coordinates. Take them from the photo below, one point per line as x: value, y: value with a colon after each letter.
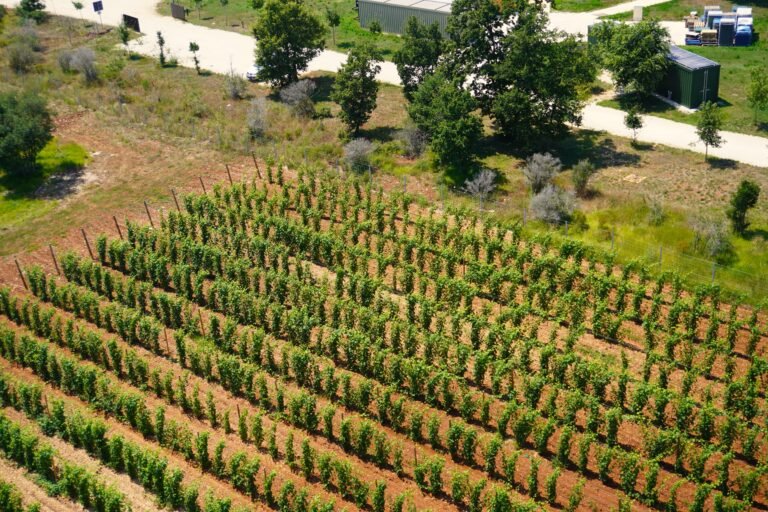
x: 357, y: 154
x: 582, y: 172
x: 257, y: 118
x: 539, y: 170
x: 83, y: 60
x: 552, y: 205
x: 234, y: 85
x: 710, y: 236
x: 298, y: 96
x: 414, y: 141
x: 21, y: 58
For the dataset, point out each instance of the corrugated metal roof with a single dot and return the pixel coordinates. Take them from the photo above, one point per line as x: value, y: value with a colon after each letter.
x: 688, y: 59
x: 426, y: 5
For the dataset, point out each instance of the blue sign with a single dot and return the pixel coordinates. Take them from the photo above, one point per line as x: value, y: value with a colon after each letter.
x: 98, y: 6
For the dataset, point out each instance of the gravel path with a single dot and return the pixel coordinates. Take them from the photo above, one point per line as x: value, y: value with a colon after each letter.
x: 222, y: 51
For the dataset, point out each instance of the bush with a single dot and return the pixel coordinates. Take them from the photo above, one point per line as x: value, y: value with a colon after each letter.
x: 21, y: 58
x: 25, y: 128
x: 32, y: 9
x: 414, y: 141
x: 257, y: 118
x: 540, y: 169
x: 234, y: 86
x: 83, y: 61
x: 582, y: 172
x: 710, y: 237
x: 552, y: 205
x: 298, y: 96
x: 65, y: 61
x: 357, y: 154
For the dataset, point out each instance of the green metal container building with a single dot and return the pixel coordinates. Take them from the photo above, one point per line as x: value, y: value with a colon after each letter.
x: 691, y: 79
x: 393, y: 14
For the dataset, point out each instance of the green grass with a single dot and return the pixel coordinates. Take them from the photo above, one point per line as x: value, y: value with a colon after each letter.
x: 19, y: 201
x: 584, y: 5
x: 239, y: 16
x: 736, y: 63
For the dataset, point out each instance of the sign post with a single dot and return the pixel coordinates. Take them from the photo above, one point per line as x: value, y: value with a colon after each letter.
x: 98, y: 6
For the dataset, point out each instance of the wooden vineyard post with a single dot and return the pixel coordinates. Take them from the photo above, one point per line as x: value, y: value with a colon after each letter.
x: 202, y: 184
x: 229, y: 174
x: 53, y: 257
x: 117, y: 227
x: 200, y: 317
x: 175, y: 200
x: 238, y: 412
x: 256, y: 163
x: 167, y: 345
x: 87, y: 243
x: 21, y: 274
x: 149, y: 216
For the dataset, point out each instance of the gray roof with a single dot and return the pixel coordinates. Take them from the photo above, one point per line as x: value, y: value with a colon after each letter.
x: 425, y: 5
x: 688, y: 59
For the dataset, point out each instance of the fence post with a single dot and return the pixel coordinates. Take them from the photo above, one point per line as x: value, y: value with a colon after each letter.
x: 149, y: 216
x: 405, y: 184
x: 229, y: 174
x: 566, y: 228
x: 53, y: 257
x: 21, y: 274
x: 202, y: 184
x: 176, y: 200
x: 256, y: 163
x: 524, y: 216
x: 661, y: 252
x: 87, y: 244
x: 117, y: 227
x: 714, y: 269
x: 612, y: 240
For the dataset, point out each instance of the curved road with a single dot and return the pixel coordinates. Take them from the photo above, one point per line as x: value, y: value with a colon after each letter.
x: 222, y: 51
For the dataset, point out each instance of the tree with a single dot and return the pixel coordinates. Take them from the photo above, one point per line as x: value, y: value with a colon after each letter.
x: 288, y: 36
x: 334, y: 20
x: 224, y: 4
x: 26, y: 127
x: 523, y: 74
x: 743, y: 199
x: 758, y: 90
x: 124, y: 35
x: 79, y: 8
x: 355, y: 88
x: 419, y: 54
x: 552, y: 205
x: 633, y: 121
x: 708, y: 127
x: 636, y: 54
x: 161, y: 45
x: 194, y: 48
x: 32, y: 9
x: 444, y: 111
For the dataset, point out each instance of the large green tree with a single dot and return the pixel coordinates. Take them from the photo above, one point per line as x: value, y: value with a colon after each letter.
x: 636, y: 55
x: 443, y: 109
x: 525, y: 76
x: 419, y: 54
x: 355, y: 88
x: 288, y: 36
x: 25, y: 128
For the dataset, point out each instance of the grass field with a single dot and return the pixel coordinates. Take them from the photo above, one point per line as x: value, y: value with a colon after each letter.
x: 736, y: 66
x: 239, y: 16
x: 584, y: 5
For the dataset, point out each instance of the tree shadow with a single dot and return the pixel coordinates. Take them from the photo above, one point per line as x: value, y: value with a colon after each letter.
x: 752, y: 234
x: 380, y: 133
x: 25, y: 181
x: 591, y: 145
x: 323, y: 87
x: 641, y: 146
x: 722, y: 163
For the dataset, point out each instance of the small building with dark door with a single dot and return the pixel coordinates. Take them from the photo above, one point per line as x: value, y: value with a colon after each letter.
x: 690, y: 79
x: 392, y: 15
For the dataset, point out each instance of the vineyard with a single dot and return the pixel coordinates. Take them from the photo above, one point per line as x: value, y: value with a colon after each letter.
x: 317, y: 344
